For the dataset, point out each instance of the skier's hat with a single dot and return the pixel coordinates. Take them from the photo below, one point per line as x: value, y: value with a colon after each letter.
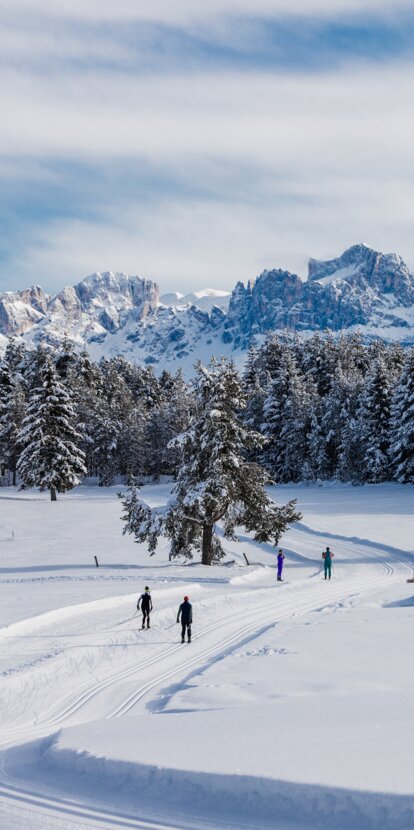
x: 186, y: 599
x: 146, y: 588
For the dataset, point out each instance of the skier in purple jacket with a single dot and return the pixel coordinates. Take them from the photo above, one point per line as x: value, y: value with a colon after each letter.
x: 280, y: 558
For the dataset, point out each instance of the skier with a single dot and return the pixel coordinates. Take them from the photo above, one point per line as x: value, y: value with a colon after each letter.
x: 146, y: 606
x: 280, y: 558
x: 186, y: 612
x: 327, y: 556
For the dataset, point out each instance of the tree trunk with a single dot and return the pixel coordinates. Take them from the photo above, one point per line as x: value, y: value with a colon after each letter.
x: 53, y: 496
x: 14, y: 476
x: 207, y: 552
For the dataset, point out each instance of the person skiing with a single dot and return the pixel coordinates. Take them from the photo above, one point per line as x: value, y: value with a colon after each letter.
x: 146, y: 606
x: 327, y: 556
x: 186, y: 612
x: 280, y: 558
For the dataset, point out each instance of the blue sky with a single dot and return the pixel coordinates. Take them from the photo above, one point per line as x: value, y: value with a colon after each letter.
x: 196, y: 144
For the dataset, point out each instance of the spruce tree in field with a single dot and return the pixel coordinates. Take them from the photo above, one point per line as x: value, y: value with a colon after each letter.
x: 402, y: 436
x: 50, y: 457
x: 214, y: 483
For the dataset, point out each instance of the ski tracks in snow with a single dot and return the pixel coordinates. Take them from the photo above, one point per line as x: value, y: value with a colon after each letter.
x: 129, y: 687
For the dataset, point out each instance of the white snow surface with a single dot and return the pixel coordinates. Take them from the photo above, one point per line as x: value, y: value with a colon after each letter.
x: 290, y: 709
x: 339, y: 274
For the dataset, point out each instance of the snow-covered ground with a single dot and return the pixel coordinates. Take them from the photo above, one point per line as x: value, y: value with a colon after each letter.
x: 290, y: 709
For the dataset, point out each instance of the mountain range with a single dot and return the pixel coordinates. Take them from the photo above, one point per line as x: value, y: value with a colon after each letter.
x: 114, y: 313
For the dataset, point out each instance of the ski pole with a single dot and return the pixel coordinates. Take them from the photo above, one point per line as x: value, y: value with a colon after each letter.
x: 170, y: 626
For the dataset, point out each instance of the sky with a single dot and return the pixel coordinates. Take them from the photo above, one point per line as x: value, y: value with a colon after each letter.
x: 196, y: 144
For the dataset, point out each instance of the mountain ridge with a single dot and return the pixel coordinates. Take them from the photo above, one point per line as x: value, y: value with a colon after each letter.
x: 116, y: 313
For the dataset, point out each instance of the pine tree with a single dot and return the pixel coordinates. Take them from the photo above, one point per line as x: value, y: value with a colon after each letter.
x: 287, y: 412
x: 13, y: 405
x: 215, y: 482
x: 374, y: 417
x: 131, y: 444
x: 50, y: 457
x: 402, y: 435
x: 106, y: 433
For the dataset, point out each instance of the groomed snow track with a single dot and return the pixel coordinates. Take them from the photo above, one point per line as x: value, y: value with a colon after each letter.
x: 133, y: 684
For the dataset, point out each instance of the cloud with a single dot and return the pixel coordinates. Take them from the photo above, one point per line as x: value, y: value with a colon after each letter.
x: 114, y: 155
x: 185, y: 243
x: 359, y: 118
x: 186, y: 11
x: 162, y: 37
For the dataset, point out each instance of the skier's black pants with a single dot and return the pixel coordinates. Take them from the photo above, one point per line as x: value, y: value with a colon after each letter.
x: 145, y: 616
x: 184, y: 627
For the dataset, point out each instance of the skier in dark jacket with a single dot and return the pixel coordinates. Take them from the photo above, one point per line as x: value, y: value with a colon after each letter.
x: 186, y: 612
x: 280, y: 558
x: 327, y: 556
x: 145, y: 602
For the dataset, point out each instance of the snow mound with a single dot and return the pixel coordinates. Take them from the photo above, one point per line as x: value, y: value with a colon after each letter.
x: 242, y: 799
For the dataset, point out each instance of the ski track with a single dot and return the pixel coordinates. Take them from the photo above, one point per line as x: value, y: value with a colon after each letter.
x: 17, y: 796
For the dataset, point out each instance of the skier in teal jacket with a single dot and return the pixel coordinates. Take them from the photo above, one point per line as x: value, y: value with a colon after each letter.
x: 327, y: 556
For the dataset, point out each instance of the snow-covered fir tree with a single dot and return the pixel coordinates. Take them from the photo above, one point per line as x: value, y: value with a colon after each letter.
x: 12, y: 409
x: 287, y: 413
x: 374, y: 423
x: 214, y: 483
x: 310, y: 398
x: 50, y: 458
x: 402, y: 435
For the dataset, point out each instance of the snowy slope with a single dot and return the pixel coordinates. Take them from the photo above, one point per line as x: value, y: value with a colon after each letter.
x: 289, y: 710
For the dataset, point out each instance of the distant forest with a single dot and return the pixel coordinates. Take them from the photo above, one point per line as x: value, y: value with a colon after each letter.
x: 327, y: 409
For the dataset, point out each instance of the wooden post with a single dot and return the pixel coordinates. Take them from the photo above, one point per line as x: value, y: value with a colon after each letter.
x: 96, y: 561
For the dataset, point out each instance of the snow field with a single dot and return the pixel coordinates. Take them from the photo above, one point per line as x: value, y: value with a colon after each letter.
x: 289, y: 708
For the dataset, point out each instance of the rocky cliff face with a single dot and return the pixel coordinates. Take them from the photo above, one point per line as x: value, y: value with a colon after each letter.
x: 120, y: 314
x: 20, y: 310
x: 362, y: 288
x: 99, y: 304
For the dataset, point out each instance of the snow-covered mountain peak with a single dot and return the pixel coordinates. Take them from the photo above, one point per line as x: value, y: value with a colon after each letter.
x: 386, y: 272
x: 116, y: 289
x: 205, y: 299
x: 114, y: 313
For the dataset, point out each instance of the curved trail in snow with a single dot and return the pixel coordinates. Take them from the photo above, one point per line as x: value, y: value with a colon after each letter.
x: 128, y: 688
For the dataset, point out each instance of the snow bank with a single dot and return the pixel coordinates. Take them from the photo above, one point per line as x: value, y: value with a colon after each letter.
x: 236, y: 798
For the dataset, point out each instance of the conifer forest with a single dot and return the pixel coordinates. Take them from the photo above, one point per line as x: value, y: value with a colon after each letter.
x: 317, y: 409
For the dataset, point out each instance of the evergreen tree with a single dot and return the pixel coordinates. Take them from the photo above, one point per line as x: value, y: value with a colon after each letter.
x: 106, y: 432
x: 287, y: 412
x: 131, y: 444
x: 15, y: 356
x: 50, y: 457
x: 13, y: 405
x: 374, y: 417
x: 402, y: 436
x: 215, y: 482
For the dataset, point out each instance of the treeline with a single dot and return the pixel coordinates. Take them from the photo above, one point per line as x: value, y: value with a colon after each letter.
x: 333, y: 409
x: 123, y: 415
x: 327, y: 409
